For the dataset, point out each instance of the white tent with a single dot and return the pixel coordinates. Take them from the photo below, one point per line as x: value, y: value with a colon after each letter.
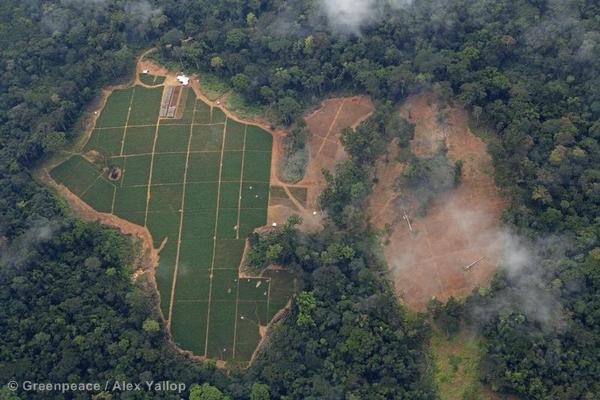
x: 185, y: 80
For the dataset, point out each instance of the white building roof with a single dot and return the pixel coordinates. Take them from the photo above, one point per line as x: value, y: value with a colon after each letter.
x: 185, y: 80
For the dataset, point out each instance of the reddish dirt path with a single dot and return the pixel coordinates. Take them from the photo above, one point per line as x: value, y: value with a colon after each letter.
x: 325, y: 151
x: 461, y: 226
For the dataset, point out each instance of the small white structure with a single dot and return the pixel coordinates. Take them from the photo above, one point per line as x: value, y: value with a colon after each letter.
x: 314, y: 213
x: 145, y: 71
x: 185, y: 80
x: 274, y: 223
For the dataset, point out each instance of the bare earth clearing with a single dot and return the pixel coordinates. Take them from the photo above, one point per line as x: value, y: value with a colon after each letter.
x: 325, y: 151
x: 455, y: 247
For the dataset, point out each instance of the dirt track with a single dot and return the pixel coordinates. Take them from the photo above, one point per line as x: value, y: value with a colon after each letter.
x: 461, y: 226
x: 325, y: 151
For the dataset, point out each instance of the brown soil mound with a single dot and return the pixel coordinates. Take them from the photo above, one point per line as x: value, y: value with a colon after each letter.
x: 325, y: 151
x: 455, y: 247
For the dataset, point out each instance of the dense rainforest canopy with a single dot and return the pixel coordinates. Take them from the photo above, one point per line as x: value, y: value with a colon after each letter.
x: 528, y: 72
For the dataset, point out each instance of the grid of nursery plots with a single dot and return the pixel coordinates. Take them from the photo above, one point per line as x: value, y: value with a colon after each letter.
x: 200, y: 183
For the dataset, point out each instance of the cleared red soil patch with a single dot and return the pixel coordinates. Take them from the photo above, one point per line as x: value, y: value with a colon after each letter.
x: 325, y: 151
x: 461, y: 226
x: 325, y: 126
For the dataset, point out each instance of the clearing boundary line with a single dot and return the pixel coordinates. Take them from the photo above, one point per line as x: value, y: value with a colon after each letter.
x: 237, y: 236
x: 167, y: 152
x: 92, y: 184
x: 182, y: 212
x: 139, y: 126
x: 112, y: 207
x: 151, y: 170
x: 237, y: 305
x: 333, y: 121
x: 237, y: 233
x: 212, y: 264
x: 127, y: 122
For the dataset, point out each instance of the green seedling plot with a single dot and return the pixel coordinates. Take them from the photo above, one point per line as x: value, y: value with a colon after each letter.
x: 207, y: 138
x: 130, y: 199
x: 202, y: 114
x: 168, y: 168
x: 100, y: 195
x: 165, y: 272
x: 256, y: 140
x: 200, y: 184
x: 151, y: 80
x: 193, y: 283
x: 235, y: 136
x: 282, y: 283
x: 106, y: 141
x: 232, y: 164
x: 255, y: 195
x: 221, y: 329
x: 217, y: 116
x: 201, y: 196
x: 199, y: 224
x: 136, y: 170
x: 189, y: 320
x: 165, y: 198
x: 204, y: 167
x: 145, y: 106
x: 228, y: 252
x: 172, y: 139
x: 139, y: 140
x: 77, y: 174
x: 196, y: 252
x: 116, y: 110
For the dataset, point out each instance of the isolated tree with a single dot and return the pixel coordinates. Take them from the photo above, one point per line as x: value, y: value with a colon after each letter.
x: 288, y: 109
x: 240, y: 83
x: 172, y: 37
